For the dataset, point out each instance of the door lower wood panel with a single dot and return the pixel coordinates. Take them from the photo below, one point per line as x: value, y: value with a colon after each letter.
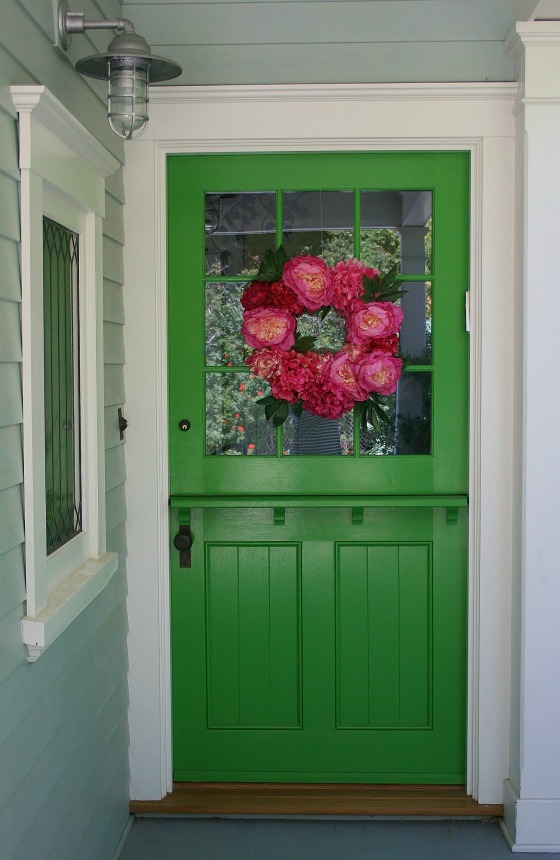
x: 210, y: 798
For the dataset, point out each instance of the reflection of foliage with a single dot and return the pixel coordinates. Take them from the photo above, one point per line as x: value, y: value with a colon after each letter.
x: 409, y: 430
x: 234, y: 422
x: 428, y: 244
x: 379, y: 247
x: 414, y: 434
x: 224, y: 316
x: 329, y: 332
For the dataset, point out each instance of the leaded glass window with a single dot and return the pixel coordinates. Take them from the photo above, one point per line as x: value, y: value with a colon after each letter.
x: 63, y: 478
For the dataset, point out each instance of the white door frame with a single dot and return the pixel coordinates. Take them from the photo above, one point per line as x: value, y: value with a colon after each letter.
x: 474, y: 117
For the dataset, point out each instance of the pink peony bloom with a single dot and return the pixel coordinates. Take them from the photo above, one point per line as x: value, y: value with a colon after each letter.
x: 373, y: 320
x: 256, y: 295
x: 378, y: 371
x: 355, y: 350
x: 285, y: 298
x: 268, y: 326
x: 311, y: 280
x: 348, y: 277
x: 342, y: 374
x: 264, y: 363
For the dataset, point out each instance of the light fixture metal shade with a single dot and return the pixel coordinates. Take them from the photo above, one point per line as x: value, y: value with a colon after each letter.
x: 129, y: 46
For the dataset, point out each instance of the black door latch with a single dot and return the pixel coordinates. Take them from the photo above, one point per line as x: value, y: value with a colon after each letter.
x: 183, y: 542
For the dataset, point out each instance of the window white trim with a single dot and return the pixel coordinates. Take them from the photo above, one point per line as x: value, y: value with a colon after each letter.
x: 63, y: 171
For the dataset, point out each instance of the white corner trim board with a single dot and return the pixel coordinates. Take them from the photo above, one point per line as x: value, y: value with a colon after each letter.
x: 65, y: 603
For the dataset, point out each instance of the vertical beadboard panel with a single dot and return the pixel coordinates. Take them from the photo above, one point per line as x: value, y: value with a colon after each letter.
x: 63, y: 731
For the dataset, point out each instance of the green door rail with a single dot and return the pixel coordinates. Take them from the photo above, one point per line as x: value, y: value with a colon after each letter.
x: 183, y: 503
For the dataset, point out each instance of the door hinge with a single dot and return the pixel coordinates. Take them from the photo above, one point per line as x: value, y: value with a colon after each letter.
x: 468, y: 310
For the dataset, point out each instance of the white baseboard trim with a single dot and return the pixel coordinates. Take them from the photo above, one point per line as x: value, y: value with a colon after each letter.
x: 530, y: 825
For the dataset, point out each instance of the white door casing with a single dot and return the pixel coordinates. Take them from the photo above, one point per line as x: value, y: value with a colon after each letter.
x: 474, y: 117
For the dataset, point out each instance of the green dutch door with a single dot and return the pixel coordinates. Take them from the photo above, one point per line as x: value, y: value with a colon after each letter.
x: 319, y: 633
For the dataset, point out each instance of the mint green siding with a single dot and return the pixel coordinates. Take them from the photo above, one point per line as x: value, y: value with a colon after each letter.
x: 63, y: 728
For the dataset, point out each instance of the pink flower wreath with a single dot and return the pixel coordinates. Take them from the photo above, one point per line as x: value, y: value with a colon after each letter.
x: 325, y: 383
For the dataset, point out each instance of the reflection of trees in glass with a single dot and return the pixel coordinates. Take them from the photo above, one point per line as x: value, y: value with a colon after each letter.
x: 380, y: 248
x: 405, y: 433
x: 235, y: 424
x: 428, y: 243
x: 223, y: 318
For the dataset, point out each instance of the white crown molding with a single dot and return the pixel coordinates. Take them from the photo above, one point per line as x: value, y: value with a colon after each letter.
x: 332, y: 92
x: 40, y: 102
x: 532, y: 34
x: 315, y: 144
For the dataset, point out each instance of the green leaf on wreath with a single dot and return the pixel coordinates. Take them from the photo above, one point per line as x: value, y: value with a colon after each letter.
x: 386, y: 289
x: 281, y: 413
x: 271, y: 408
x: 361, y: 409
x: 302, y: 344
x: 371, y: 288
x: 373, y: 419
x: 378, y: 409
x: 272, y: 265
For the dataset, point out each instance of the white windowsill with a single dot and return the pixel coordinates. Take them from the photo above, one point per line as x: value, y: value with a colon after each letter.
x: 65, y: 604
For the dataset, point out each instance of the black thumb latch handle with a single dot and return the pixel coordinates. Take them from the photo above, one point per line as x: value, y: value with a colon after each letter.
x: 183, y: 542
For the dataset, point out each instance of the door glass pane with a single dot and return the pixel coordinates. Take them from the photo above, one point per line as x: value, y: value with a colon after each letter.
x: 410, y: 413
x: 239, y: 228
x: 396, y: 227
x: 416, y: 328
x: 235, y: 423
x: 319, y: 223
x: 310, y: 434
x: 223, y: 319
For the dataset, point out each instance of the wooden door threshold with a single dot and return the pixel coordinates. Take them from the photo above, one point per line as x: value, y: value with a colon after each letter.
x: 293, y: 799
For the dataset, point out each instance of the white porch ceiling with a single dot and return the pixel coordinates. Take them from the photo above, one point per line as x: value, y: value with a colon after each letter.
x: 332, y: 41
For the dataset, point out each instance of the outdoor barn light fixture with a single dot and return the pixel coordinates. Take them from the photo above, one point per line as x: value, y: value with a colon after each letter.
x: 128, y: 65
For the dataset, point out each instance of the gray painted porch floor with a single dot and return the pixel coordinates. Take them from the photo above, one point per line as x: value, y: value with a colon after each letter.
x: 259, y: 839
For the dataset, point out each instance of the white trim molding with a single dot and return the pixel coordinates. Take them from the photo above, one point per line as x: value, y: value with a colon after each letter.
x: 477, y: 118
x: 63, y: 171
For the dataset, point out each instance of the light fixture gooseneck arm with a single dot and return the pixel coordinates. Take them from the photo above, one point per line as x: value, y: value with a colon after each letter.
x: 74, y: 23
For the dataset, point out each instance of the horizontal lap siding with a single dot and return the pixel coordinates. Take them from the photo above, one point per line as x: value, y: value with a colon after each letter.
x: 63, y: 732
